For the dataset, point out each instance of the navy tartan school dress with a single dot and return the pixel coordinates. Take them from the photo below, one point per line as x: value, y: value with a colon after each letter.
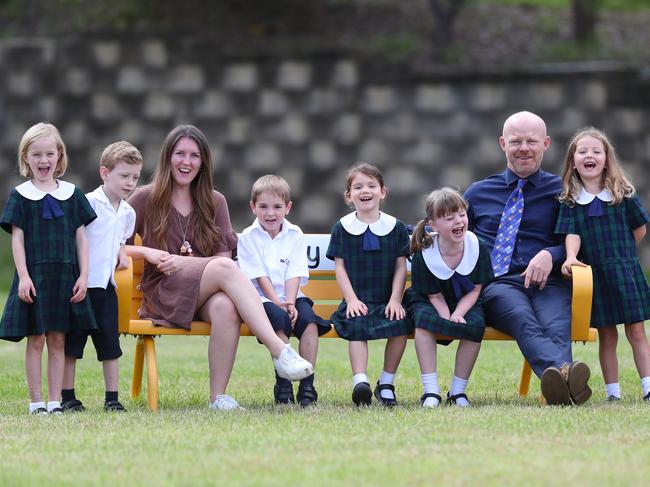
x: 371, y: 274
x: 621, y: 293
x: 430, y: 275
x: 49, y: 222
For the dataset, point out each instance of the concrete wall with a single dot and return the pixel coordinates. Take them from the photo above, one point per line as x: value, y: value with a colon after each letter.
x: 305, y: 119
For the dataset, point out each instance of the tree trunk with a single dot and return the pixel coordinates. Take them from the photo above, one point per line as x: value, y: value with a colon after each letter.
x: 585, y: 16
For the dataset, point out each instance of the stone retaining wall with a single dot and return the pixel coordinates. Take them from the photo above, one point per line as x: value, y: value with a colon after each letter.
x: 305, y: 119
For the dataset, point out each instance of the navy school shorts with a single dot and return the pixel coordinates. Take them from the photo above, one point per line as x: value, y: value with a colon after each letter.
x: 106, y: 337
x: 280, y: 320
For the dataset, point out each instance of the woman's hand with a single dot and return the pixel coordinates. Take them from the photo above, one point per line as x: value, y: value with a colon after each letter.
x: 395, y: 310
x: 354, y: 308
x: 155, y: 256
x: 26, y: 289
x: 170, y: 264
x: 79, y: 290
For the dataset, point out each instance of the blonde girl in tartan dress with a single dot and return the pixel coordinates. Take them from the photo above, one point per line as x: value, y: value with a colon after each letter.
x: 46, y: 219
x: 603, y: 221
x: 449, y: 268
x: 369, y: 249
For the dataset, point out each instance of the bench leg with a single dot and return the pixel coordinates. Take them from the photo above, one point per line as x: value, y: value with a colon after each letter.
x: 152, y: 373
x: 138, y: 362
x: 526, y: 372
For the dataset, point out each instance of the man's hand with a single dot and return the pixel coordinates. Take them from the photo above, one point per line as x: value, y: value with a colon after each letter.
x: 538, y: 270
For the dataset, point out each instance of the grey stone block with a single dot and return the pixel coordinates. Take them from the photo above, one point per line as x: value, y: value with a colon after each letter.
x: 239, y: 130
x: 423, y: 153
x: 487, y: 97
x: 159, y: 106
x: 379, y: 99
x: 132, y: 80
x: 294, y: 75
x: 49, y: 108
x: 324, y: 101
x: 154, y: 53
x: 546, y: 95
x: 76, y: 81
x: 106, y: 53
x: 242, y: 77
x: 434, y: 98
x: 213, y: 104
x: 319, y: 209
x: 592, y: 96
x: 272, y: 103
x: 186, y: 79
x: 21, y: 84
x: 347, y: 128
x: 262, y: 156
x: 293, y: 129
x: 75, y: 134
x: 322, y: 154
x: 105, y: 106
x: 345, y: 74
x: 375, y: 151
x: 628, y: 121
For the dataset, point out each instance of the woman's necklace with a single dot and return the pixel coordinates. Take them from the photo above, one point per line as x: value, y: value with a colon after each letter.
x: 186, y: 247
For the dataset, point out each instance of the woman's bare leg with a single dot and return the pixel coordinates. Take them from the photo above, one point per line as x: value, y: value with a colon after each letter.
x: 221, y: 313
x: 223, y: 275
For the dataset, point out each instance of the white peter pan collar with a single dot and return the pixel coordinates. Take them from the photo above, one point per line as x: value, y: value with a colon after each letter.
x: 31, y: 192
x: 437, y: 266
x: 383, y: 226
x: 584, y: 198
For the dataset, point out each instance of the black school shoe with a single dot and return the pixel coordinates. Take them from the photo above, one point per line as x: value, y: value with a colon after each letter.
x: 384, y: 401
x: 362, y: 394
x: 72, y: 406
x: 647, y: 397
x: 283, y: 393
x: 451, y: 399
x: 39, y: 412
x: 114, y: 406
x: 307, y: 395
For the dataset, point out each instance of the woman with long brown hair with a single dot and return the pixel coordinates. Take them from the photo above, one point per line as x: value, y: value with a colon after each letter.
x: 187, y: 244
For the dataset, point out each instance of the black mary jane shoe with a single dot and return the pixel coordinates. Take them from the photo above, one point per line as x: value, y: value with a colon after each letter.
x: 427, y: 395
x: 647, y: 397
x: 307, y: 395
x: 283, y: 393
x: 384, y: 401
x: 451, y: 400
x: 362, y: 394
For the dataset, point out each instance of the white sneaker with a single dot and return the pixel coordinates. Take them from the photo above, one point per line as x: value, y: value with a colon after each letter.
x: 224, y: 402
x: 292, y: 366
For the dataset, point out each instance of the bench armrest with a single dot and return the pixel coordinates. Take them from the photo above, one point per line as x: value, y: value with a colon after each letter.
x: 581, y: 303
x: 124, y: 281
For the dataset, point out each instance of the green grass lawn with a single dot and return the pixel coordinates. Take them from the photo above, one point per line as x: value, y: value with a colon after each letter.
x: 502, y: 440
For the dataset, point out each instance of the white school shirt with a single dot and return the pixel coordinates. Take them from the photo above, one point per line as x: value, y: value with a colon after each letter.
x: 280, y: 259
x: 105, y: 235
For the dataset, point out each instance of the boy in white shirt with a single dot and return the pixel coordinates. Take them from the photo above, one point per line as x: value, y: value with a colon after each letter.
x: 273, y: 254
x: 119, y: 168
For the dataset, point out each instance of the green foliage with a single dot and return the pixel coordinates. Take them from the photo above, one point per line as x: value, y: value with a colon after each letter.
x: 503, y: 440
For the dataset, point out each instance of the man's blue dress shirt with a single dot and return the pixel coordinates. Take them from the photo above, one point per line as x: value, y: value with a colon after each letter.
x: 487, y: 199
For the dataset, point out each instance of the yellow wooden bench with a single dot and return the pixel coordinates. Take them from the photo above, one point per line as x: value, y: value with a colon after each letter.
x: 325, y: 293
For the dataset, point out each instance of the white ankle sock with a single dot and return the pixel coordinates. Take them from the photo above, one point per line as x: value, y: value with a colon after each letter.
x: 33, y: 406
x: 430, y: 385
x: 359, y: 378
x: 613, y: 389
x: 458, y: 386
x: 386, y: 378
x: 52, y: 405
x: 645, y: 384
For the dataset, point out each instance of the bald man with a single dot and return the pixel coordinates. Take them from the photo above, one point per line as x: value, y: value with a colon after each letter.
x: 529, y: 300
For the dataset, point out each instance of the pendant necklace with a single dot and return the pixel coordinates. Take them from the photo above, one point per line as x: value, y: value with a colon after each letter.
x: 186, y: 247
